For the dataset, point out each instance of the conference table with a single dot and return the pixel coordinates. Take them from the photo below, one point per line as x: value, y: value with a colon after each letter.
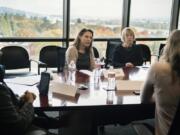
x: 94, y: 96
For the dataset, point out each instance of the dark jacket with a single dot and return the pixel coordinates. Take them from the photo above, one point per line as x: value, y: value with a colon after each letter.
x: 123, y: 55
x: 15, y: 116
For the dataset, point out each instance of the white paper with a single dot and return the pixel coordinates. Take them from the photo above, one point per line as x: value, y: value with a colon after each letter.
x: 128, y: 86
x: 63, y: 89
x: 25, y: 80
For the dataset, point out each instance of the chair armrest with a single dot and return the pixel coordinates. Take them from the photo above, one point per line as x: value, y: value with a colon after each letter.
x: 38, y: 62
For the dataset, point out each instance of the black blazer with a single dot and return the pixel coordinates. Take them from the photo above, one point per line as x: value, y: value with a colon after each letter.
x: 123, y: 55
x: 15, y: 116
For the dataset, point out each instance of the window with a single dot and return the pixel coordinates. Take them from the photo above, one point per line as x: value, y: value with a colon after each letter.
x: 31, y: 18
x: 103, y: 17
x: 150, y: 18
x: 179, y: 21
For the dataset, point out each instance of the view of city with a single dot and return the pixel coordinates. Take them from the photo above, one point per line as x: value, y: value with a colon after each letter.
x: 19, y: 21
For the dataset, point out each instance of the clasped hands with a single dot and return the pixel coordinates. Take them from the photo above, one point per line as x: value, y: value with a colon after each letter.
x: 129, y: 64
x: 28, y: 97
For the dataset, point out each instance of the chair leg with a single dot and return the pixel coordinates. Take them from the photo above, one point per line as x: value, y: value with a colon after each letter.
x: 38, y: 70
x: 101, y: 130
x: 29, y: 69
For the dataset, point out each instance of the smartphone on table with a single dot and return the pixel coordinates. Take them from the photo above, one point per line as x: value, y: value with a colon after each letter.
x: 44, y: 83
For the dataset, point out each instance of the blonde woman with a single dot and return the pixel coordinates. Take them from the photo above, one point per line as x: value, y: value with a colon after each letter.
x: 81, y: 51
x: 128, y: 54
x: 163, y: 84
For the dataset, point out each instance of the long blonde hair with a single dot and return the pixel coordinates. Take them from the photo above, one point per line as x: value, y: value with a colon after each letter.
x: 171, y: 53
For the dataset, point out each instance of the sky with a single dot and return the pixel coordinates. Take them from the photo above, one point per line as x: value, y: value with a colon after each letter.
x: 93, y: 8
x: 151, y: 8
x: 49, y: 7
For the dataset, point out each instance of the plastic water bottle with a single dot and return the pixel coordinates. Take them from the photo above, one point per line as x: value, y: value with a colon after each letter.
x: 97, y: 73
x: 111, y: 80
x: 72, y: 66
x: 111, y: 86
x: 96, y: 78
x: 98, y: 63
x: 72, y: 70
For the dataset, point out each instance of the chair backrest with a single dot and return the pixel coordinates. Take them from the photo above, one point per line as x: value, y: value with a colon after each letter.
x: 15, y: 57
x: 53, y: 56
x: 49, y: 55
x: 96, y: 53
x: 61, y: 58
x: 146, y: 52
x: 174, y: 128
x: 111, y: 45
x: 161, y: 47
x: 2, y: 73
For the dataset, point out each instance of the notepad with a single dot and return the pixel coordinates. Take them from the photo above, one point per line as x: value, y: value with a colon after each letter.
x: 128, y: 86
x: 25, y: 80
x: 63, y: 89
x: 119, y: 74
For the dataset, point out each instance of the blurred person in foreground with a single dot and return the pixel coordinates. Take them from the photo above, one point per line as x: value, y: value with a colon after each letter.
x: 163, y: 84
x: 17, y: 114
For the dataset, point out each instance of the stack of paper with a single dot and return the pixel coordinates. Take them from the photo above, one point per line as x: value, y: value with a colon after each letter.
x: 127, y: 86
x: 63, y: 89
x: 25, y: 80
x: 119, y: 74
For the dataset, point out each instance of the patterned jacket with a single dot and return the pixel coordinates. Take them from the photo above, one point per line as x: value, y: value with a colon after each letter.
x: 15, y: 116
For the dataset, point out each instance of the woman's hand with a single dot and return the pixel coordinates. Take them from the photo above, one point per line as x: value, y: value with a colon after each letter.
x: 129, y: 64
x: 28, y: 97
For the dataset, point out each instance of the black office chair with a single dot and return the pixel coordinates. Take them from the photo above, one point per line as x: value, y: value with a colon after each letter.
x: 161, y: 48
x: 61, y: 59
x: 52, y: 57
x: 111, y: 45
x: 15, y: 57
x: 146, y: 53
x: 96, y: 53
x: 2, y: 73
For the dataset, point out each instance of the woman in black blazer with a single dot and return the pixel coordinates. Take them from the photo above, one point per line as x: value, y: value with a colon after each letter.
x: 128, y: 54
